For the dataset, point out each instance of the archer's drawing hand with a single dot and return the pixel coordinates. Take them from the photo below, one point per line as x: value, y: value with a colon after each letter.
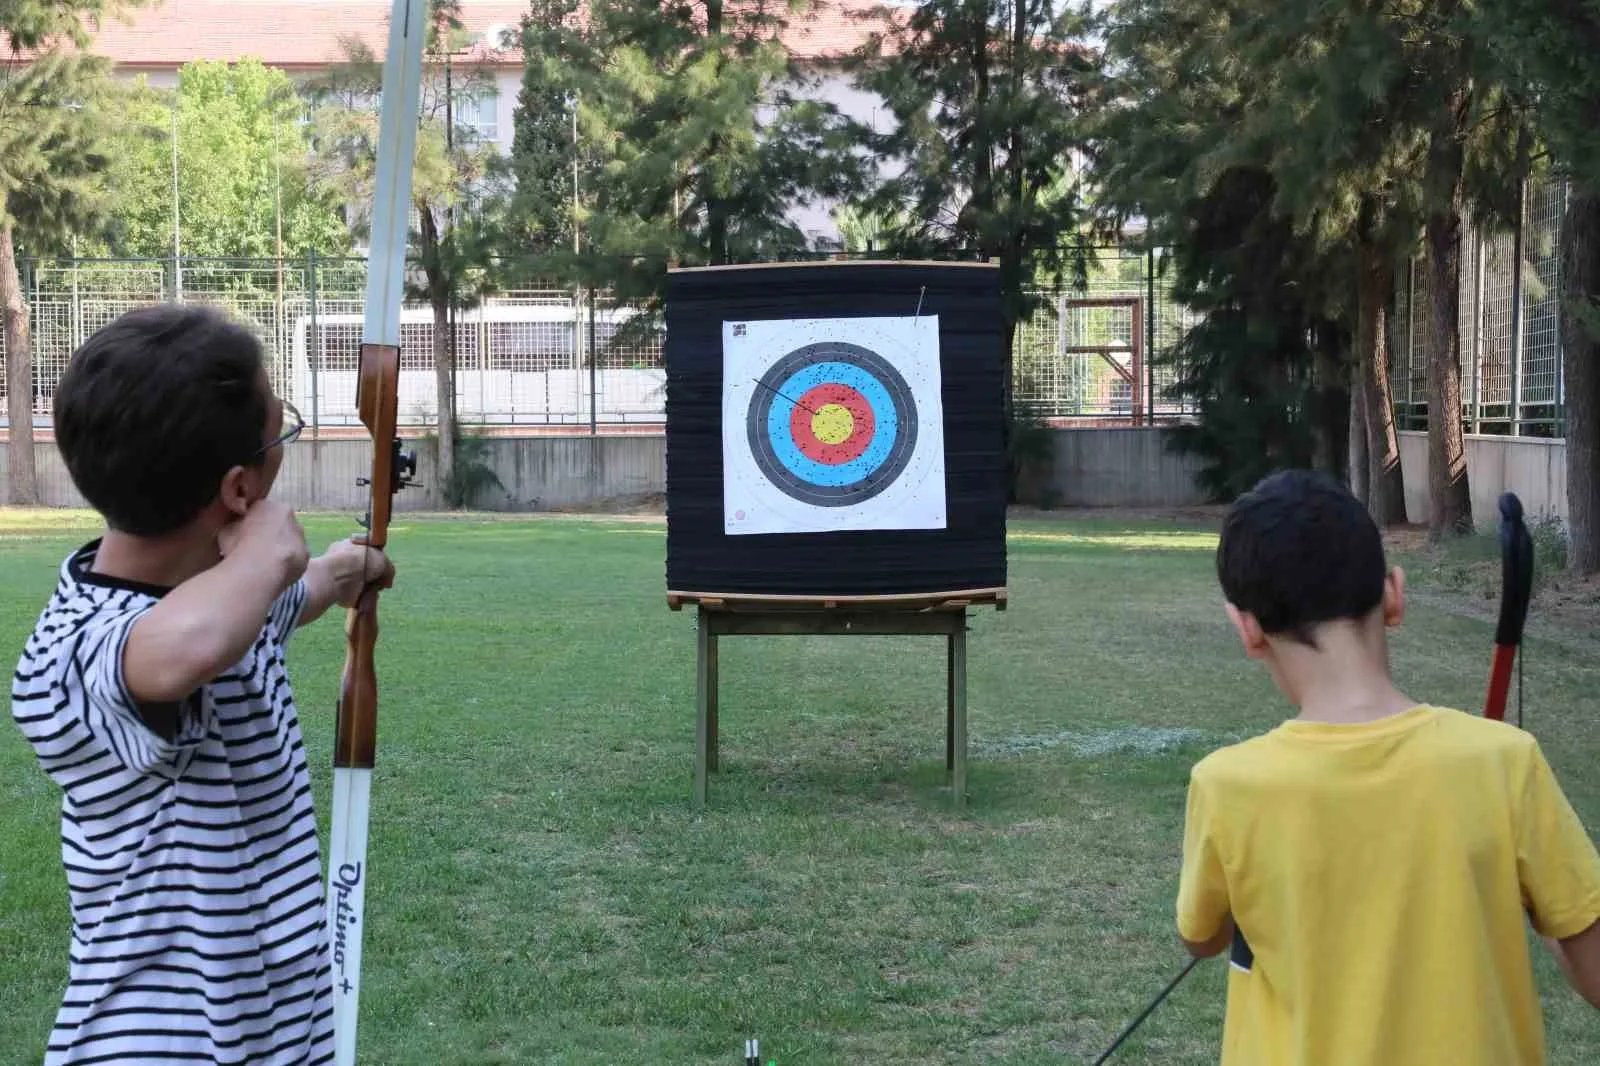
x: 354, y: 566
x: 269, y: 536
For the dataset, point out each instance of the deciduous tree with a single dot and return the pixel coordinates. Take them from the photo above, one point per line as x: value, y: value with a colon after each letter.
x: 244, y: 185
x: 448, y: 178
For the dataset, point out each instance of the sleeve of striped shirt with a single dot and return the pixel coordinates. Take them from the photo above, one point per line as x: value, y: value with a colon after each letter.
x: 285, y: 614
x: 96, y: 694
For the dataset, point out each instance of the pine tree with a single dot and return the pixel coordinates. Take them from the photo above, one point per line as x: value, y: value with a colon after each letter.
x: 987, y: 96
x: 545, y: 170
x: 1379, y: 125
x: 1319, y: 116
x: 700, y: 138
x: 1551, y: 55
x: 1264, y: 367
x: 1269, y: 366
x: 53, y: 142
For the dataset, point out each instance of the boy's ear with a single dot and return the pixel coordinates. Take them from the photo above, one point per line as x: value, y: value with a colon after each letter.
x: 1394, y: 597
x: 1250, y: 632
x: 235, y: 494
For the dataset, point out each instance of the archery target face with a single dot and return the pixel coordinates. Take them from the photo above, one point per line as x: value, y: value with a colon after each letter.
x: 832, y: 424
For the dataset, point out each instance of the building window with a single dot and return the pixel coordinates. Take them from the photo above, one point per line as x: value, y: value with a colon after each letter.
x: 478, y: 113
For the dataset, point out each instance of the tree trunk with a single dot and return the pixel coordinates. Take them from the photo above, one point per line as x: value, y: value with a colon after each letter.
x: 1360, y: 471
x: 1011, y: 300
x: 444, y: 382
x: 983, y: 198
x: 717, y: 250
x: 1330, y: 404
x: 1387, y: 497
x: 1449, y: 495
x: 1580, y: 341
x: 24, y: 487
x: 1012, y: 258
x: 436, y: 272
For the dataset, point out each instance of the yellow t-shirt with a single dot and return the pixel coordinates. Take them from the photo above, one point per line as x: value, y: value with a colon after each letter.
x: 1381, y: 876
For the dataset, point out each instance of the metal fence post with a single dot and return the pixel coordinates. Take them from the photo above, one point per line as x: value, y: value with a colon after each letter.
x: 1560, y: 404
x: 594, y: 372
x: 1411, y: 340
x: 30, y: 301
x: 314, y: 342
x: 1150, y: 335
x: 76, y: 316
x: 1517, y: 317
x: 1477, y: 332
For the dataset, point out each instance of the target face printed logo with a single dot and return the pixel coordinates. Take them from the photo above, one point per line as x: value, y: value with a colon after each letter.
x: 831, y: 425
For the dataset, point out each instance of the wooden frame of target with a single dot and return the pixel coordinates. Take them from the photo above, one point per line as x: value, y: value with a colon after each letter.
x: 835, y: 460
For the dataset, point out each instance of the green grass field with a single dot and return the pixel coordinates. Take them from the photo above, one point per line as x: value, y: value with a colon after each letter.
x: 542, y: 892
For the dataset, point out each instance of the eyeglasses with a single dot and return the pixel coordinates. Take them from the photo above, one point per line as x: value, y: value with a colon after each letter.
x: 293, y: 424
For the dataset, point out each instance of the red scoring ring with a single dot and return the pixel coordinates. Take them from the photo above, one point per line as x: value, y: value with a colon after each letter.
x: 805, y: 438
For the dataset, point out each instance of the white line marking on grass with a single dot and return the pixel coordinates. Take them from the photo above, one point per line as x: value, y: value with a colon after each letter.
x: 1135, y: 740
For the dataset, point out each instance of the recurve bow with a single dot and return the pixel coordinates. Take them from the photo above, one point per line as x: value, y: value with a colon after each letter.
x: 356, y: 740
x: 1516, y: 589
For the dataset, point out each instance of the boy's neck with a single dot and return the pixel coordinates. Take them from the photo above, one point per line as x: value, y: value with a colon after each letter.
x: 166, y: 561
x: 1345, y: 680
x: 1354, y: 703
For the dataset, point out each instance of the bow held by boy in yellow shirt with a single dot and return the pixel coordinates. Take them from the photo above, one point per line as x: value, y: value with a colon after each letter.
x: 1371, y: 864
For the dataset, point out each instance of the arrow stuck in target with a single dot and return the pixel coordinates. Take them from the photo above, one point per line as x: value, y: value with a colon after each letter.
x: 781, y: 396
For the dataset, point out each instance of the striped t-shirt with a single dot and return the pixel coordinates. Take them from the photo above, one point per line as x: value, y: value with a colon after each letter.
x: 198, y: 929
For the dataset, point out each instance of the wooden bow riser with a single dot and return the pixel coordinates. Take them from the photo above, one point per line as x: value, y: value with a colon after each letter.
x: 377, y: 400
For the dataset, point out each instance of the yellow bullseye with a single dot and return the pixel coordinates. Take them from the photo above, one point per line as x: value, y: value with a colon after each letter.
x: 833, y: 423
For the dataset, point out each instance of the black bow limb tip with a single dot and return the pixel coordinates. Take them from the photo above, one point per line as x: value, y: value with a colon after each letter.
x: 1516, y: 590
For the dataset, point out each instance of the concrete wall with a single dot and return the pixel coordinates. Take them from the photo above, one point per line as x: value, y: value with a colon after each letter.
x: 1112, y: 467
x: 538, y: 473
x: 1534, y: 468
x: 1099, y: 467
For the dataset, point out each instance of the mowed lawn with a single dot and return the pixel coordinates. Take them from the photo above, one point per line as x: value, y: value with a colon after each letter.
x: 542, y: 892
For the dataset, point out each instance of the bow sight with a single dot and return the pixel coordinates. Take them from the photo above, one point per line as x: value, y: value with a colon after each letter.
x: 402, y: 469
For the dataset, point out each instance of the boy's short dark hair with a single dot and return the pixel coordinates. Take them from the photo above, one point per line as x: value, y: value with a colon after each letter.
x: 1298, y: 550
x: 155, y: 408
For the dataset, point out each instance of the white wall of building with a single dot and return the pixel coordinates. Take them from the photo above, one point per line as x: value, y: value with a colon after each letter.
x: 831, y: 85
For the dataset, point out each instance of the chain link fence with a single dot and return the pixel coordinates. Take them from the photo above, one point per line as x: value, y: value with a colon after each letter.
x: 1510, y: 326
x: 1090, y: 354
x: 535, y: 355
x: 539, y: 356
x: 526, y: 356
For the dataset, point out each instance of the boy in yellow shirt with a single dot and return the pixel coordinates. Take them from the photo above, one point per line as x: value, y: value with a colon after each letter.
x: 1368, y: 864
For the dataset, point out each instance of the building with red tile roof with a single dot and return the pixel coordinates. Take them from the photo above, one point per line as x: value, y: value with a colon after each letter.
x: 305, y: 37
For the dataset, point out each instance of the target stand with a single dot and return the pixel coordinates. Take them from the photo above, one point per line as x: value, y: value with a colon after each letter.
x: 835, y: 462
x: 867, y: 616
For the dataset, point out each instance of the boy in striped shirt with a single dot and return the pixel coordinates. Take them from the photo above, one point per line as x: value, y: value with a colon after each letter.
x: 154, y: 693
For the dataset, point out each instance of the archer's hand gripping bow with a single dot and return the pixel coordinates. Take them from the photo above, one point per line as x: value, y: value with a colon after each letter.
x: 355, y: 748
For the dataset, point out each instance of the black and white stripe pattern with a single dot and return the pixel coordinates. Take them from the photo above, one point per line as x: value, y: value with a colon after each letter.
x: 198, y: 928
